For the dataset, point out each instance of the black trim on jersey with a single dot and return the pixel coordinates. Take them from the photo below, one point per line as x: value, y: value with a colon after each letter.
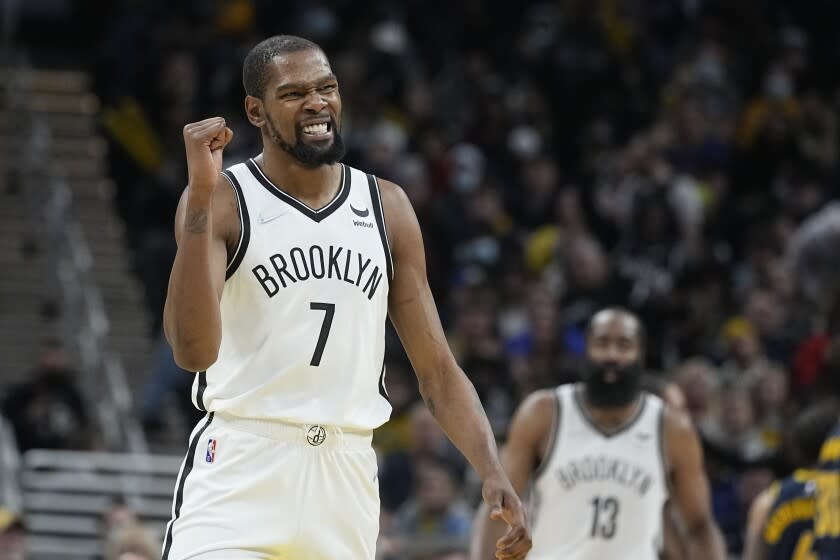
x: 535, y: 501
x: 244, y: 223
x: 315, y: 215
x: 663, y: 457
x: 199, y: 393
x: 578, y: 396
x: 179, y: 493
x: 382, y: 390
x: 379, y: 214
x: 554, y: 435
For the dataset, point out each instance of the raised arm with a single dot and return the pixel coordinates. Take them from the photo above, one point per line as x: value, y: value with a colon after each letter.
x: 206, y: 223
x: 691, y: 488
x: 449, y: 395
x: 526, y: 446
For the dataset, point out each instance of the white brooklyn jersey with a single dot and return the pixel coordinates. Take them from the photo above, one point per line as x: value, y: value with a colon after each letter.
x: 303, y: 307
x: 600, y: 495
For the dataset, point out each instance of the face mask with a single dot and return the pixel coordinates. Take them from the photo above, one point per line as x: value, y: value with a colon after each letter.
x: 621, y: 392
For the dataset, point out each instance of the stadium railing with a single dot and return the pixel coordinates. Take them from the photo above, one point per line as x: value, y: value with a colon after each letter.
x: 48, y: 202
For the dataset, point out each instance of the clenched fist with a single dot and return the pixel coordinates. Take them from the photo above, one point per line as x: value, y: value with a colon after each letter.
x: 205, y: 141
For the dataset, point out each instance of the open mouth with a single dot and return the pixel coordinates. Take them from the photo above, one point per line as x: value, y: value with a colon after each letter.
x: 318, y: 129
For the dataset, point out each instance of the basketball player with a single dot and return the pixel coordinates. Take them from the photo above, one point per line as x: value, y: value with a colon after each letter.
x: 827, y: 499
x: 287, y: 266
x: 781, y: 519
x: 673, y: 540
x: 604, y: 458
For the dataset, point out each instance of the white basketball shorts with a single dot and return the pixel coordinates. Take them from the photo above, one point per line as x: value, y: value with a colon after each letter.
x: 253, y: 489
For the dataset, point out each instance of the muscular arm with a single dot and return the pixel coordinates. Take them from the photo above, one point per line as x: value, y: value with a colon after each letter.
x: 448, y: 393
x: 690, y: 488
x: 526, y: 446
x: 759, y: 510
x: 204, y: 225
x: 673, y: 542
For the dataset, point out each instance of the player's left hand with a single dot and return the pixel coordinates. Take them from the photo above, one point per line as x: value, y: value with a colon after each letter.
x: 505, y: 505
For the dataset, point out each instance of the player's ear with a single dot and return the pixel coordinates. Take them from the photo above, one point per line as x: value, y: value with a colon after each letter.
x: 255, y: 110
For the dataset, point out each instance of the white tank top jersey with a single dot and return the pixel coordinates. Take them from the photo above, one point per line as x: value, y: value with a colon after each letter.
x: 600, y: 495
x: 304, y: 307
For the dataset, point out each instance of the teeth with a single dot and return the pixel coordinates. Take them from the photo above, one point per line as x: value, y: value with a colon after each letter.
x: 316, y: 128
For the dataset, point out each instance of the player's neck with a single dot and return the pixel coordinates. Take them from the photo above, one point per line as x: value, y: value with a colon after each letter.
x: 313, y: 186
x: 611, y: 417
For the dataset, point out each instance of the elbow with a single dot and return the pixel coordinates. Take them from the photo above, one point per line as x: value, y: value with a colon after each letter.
x: 435, y: 376
x: 194, y: 362
x: 194, y: 357
x: 702, y: 530
x: 192, y: 351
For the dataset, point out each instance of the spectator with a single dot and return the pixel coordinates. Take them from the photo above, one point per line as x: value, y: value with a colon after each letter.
x: 674, y: 157
x: 48, y: 411
x: 427, y: 443
x: 166, y: 382
x: 773, y: 405
x: 395, y: 435
x: 132, y: 543
x: 737, y: 431
x: 434, y: 522
x: 744, y: 358
x: 698, y: 380
x: 12, y: 536
x: 125, y: 537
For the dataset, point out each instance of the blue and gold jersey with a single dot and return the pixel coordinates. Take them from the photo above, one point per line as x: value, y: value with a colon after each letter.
x: 788, y: 533
x: 827, y: 485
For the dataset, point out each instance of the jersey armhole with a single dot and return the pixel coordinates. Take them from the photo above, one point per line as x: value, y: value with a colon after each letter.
x: 379, y: 214
x: 553, y: 436
x: 663, y: 453
x: 244, y: 225
x: 199, y: 387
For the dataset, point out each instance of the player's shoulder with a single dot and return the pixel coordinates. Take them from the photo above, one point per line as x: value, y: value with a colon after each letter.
x: 541, y: 400
x: 224, y: 190
x: 540, y: 406
x: 400, y: 219
x: 830, y: 450
x: 678, y: 428
x: 799, y: 483
x: 663, y: 388
x: 393, y: 195
x: 675, y: 418
x: 225, y: 207
x: 535, y: 415
x: 764, y: 501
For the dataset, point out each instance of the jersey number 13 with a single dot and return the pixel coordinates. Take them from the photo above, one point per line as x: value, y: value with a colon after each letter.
x: 604, y: 516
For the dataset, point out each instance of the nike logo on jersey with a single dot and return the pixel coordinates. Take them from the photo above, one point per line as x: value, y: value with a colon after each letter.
x: 265, y: 219
x: 363, y: 213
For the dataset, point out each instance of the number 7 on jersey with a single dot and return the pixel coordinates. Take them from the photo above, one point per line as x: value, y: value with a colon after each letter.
x: 329, y: 312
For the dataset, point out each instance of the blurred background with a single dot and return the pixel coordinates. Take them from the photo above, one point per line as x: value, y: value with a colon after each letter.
x: 678, y: 157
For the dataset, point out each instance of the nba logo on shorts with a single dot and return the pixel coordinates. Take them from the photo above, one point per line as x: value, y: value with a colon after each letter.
x: 211, y: 451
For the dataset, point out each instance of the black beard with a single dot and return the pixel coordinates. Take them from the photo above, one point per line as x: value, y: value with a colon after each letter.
x: 622, y: 392
x: 309, y: 155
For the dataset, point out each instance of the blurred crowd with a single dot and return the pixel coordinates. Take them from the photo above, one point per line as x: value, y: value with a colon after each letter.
x: 677, y: 157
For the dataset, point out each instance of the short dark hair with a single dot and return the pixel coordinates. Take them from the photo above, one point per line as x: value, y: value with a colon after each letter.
x: 641, y: 334
x: 810, y: 429
x: 255, y: 67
